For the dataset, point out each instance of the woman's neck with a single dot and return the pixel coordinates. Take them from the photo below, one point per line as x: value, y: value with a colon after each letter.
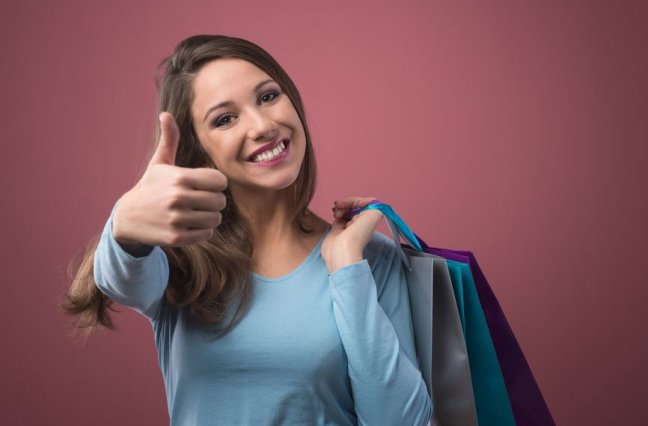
x: 269, y: 215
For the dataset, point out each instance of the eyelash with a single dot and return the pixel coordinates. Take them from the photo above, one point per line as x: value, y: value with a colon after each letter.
x: 218, y: 120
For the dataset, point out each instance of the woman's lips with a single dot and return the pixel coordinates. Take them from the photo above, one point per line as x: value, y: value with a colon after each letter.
x: 267, y: 147
x: 277, y: 159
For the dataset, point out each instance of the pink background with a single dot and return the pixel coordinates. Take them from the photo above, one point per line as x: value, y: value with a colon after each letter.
x: 513, y: 129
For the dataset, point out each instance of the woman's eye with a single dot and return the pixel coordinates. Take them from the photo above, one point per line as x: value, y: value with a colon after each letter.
x: 222, y: 120
x: 269, y: 96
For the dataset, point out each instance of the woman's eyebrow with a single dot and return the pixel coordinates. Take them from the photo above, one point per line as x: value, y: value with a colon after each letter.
x: 230, y: 103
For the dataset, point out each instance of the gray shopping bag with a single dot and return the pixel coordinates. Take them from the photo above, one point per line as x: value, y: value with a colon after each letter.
x: 440, y: 343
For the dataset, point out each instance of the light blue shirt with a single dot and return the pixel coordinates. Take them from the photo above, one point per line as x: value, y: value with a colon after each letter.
x: 313, y: 349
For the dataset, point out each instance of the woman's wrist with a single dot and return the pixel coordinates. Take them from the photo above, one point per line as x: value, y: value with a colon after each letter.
x: 340, y: 260
x: 137, y: 250
x: 134, y: 248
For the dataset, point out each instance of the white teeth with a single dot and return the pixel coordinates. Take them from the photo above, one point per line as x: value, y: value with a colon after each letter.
x: 270, y: 154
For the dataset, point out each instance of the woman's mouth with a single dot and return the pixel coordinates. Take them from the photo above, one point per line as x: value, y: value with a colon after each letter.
x: 273, y: 156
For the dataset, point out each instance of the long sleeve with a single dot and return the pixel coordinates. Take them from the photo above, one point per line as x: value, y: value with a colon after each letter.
x: 136, y: 282
x: 371, y: 309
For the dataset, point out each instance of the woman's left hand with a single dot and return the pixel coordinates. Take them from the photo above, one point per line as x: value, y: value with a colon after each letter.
x: 347, y: 239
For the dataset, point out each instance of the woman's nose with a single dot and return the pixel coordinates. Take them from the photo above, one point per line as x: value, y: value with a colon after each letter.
x: 261, y: 127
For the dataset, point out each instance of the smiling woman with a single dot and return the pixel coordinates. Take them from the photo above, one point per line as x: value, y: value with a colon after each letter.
x: 263, y: 312
x: 244, y: 134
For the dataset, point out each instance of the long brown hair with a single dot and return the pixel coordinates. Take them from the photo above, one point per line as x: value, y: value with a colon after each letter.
x: 213, y: 278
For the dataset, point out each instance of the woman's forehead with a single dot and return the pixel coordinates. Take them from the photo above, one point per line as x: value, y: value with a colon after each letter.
x: 228, y: 75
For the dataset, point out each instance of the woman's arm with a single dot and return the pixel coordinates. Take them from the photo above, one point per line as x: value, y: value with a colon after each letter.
x: 371, y: 308
x: 136, y: 282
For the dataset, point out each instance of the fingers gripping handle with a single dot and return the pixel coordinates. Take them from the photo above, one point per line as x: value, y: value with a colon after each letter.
x: 396, y: 225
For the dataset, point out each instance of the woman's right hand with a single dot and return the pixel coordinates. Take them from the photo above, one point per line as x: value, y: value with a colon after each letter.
x: 170, y: 205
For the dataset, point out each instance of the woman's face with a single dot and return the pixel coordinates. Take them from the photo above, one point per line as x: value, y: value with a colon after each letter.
x: 236, y: 107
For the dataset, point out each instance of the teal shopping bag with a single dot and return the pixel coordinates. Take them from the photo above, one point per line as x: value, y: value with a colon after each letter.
x: 491, y: 396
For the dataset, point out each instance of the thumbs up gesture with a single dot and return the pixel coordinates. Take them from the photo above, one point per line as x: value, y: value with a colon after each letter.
x: 170, y: 205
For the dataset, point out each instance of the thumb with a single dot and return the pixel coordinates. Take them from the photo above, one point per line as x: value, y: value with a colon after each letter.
x: 165, y: 153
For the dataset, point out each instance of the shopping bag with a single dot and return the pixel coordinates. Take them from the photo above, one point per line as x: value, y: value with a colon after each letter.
x: 528, y: 405
x: 491, y: 396
x: 525, y: 399
x: 440, y: 345
x: 491, y: 399
x: 441, y: 348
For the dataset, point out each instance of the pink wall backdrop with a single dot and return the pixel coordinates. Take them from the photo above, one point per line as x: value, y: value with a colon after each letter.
x: 515, y: 129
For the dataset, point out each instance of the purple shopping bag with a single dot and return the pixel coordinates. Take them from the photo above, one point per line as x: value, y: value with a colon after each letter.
x: 527, y: 402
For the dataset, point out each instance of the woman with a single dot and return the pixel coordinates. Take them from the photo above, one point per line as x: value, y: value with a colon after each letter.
x: 263, y: 312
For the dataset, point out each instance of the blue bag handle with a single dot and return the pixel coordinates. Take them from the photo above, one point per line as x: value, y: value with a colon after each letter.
x: 389, y: 213
x: 396, y: 224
